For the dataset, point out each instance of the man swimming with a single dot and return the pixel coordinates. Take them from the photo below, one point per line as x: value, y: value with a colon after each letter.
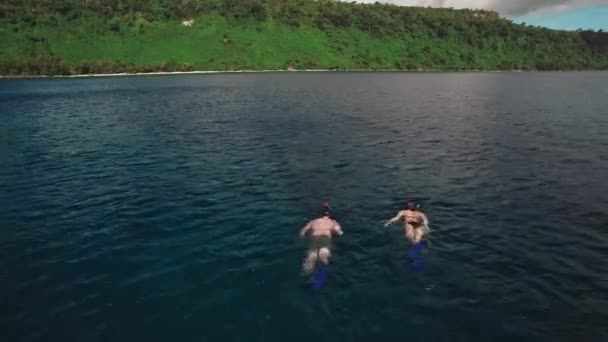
x: 416, y: 222
x: 321, y: 230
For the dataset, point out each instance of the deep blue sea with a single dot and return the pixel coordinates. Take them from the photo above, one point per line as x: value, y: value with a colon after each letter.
x: 166, y: 208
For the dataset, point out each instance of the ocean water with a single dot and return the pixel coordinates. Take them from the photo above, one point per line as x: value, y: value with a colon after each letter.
x: 166, y: 208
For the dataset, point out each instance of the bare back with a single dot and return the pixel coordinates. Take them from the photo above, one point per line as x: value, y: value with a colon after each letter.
x: 415, y: 221
x: 411, y: 215
x: 324, y: 226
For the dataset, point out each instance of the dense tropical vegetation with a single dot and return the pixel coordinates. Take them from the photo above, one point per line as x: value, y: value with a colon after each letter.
x: 62, y: 37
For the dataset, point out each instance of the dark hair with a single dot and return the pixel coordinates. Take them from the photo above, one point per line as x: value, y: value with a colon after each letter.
x: 411, y: 205
x: 325, y: 209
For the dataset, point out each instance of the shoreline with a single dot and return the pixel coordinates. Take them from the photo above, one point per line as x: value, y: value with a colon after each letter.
x: 202, y: 72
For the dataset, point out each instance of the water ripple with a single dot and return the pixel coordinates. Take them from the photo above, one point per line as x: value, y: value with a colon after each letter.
x: 168, y: 207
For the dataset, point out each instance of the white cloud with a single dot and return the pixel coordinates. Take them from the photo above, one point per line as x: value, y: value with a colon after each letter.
x: 505, y: 7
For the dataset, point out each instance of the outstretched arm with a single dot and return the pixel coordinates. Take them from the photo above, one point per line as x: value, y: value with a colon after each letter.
x: 394, y: 219
x: 306, y: 228
x: 337, y: 229
x: 425, y: 220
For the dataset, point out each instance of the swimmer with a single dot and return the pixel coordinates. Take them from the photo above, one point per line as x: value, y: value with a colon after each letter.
x: 416, y: 222
x: 320, y: 230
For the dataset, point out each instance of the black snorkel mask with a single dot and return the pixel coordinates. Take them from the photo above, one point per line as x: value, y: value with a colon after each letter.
x: 412, y: 206
x: 326, y: 209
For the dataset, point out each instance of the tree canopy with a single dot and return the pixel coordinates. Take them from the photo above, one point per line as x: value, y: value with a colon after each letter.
x: 438, y: 38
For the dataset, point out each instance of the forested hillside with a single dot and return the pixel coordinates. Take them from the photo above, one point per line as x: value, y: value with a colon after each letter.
x: 51, y: 37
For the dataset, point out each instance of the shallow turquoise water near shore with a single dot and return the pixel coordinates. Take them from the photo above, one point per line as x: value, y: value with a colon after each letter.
x: 167, y: 207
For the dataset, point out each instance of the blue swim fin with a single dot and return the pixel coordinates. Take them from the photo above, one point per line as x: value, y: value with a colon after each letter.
x: 415, y: 255
x: 319, y: 277
x: 416, y: 250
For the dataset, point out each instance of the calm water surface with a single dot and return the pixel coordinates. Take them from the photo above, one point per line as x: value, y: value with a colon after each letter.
x: 167, y: 208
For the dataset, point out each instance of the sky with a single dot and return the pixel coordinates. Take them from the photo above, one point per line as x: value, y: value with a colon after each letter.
x: 556, y: 14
